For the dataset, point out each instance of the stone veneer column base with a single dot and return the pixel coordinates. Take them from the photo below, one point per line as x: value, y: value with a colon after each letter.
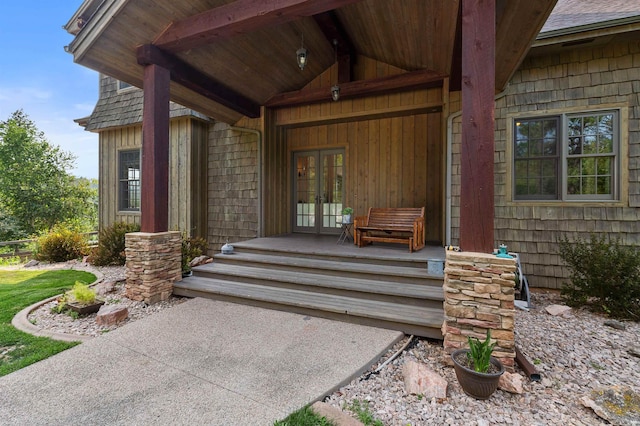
x: 154, y: 263
x: 479, y: 295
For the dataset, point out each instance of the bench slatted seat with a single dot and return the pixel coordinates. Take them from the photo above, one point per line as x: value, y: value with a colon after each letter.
x: 403, y: 225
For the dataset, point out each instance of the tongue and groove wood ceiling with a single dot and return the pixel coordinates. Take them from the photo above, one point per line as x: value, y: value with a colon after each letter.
x: 244, y: 50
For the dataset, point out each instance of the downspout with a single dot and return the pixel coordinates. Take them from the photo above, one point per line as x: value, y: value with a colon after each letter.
x: 259, y: 136
x: 449, y: 167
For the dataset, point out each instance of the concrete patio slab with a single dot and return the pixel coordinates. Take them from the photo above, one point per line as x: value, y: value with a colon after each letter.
x: 201, y: 362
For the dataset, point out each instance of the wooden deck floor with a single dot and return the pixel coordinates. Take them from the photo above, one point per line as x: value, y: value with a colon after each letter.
x: 328, y: 244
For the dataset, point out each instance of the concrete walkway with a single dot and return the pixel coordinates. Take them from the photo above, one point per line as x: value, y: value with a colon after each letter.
x: 202, y: 362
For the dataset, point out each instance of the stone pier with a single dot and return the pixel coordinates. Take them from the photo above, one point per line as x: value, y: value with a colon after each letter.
x: 479, y: 295
x: 153, y: 265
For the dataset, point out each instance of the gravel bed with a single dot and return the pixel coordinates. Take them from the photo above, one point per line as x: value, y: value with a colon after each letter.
x: 43, y: 318
x: 574, y: 355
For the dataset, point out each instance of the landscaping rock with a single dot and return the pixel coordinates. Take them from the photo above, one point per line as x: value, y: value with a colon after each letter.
x: 111, y: 314
x: 511, y: 382
x: 634, y: 351
x: 615, y: 324
x: 619, y: 405
x: 421, y: 380
x: 334, y: 415
x: 105, y: 287
x: 31, y: 263
x: 558, y: 310
x: 200, y: 260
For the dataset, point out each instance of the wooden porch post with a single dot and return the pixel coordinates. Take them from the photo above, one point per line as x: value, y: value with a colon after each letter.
x: 155, y: 150
x: 477, y: 151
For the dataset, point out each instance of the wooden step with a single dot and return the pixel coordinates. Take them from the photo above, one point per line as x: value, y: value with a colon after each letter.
x: 387, y: 290
x: 353, y: 254
x: 342, y: 268
x: 421, y: 321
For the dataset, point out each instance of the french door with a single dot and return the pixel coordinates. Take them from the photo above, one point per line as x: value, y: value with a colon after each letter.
x: 318, y: 191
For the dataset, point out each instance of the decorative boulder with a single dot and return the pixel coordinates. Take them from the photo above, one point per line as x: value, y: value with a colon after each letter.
x: 111, y: 314
x: 619, y: 405
x: 511, y: 382
x: 421, y: 380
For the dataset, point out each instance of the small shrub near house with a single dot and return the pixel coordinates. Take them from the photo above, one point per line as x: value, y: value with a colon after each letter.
x: 192, y: 247
x: 62, y: 243
x: 111, y: 244
x: 604, y: 276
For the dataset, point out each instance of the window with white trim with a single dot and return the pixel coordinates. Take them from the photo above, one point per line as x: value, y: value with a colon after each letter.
x: 124, y: 86
x: 567, y: 157
x: 129, y: 180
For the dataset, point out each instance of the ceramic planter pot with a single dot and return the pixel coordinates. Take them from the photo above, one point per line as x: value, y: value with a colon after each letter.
x: 474, y: 384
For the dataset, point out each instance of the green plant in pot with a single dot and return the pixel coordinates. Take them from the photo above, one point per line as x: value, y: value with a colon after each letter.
x: 346, y: 214
x: 477, y: 371
x: 82, y: 299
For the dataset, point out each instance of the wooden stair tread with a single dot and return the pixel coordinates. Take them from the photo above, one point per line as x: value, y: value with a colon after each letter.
x: 427, y: 317
x: 419, y: 291
x: 301, y: 262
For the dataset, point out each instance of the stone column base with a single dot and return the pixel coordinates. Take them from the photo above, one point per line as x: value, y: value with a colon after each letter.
x: 154, y: 263
x: 479, y: 295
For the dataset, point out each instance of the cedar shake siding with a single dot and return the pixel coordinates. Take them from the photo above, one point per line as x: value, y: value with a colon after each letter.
x: 581, y: 80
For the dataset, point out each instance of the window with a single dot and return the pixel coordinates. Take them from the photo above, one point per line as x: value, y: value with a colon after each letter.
x: 123, y: 86
x: 567, y: 157
x: 129, y: 180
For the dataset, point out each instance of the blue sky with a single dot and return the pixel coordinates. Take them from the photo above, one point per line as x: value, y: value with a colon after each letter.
x: 39, y: 77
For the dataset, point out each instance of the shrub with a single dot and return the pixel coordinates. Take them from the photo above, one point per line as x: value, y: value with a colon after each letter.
x: 111, y: 244
x: 83, y: 294
x: 61, y: 244
x: 192, y: 247
x: 604, y: 274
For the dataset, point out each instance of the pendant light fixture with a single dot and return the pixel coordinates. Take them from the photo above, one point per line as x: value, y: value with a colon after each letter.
x: 301, y: 55
x: 335, y: 89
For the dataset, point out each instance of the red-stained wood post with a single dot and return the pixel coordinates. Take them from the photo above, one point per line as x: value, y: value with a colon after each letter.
x: 476, y: 156
x: 155, y: 150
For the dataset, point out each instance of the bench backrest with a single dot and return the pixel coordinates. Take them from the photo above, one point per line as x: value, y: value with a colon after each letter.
x: 399, y: 216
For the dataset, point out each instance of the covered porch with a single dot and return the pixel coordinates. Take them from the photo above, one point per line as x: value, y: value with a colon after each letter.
x: 381, y: 82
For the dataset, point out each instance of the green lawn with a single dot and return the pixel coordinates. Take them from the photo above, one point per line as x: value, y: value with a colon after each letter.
x: 304, y: 417
x: 19, y: 289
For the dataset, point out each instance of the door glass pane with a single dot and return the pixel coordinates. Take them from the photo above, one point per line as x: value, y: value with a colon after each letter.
x: 305, y: 190
x: 332, y: 189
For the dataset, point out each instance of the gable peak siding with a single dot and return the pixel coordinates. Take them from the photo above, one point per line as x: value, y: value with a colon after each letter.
x: 124, y: 108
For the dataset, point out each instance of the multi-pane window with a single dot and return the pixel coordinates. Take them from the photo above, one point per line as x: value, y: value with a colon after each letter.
x: 129, y: 180
x: 567, y: 157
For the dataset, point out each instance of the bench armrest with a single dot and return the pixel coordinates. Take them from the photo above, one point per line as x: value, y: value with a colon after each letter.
x: 360, y: 221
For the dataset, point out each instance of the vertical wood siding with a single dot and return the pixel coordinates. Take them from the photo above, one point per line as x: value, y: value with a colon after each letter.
x: 187, y: 205
x: 393, y: 144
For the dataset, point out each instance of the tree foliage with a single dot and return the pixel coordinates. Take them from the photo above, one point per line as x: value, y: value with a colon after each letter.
x: 35, y: 188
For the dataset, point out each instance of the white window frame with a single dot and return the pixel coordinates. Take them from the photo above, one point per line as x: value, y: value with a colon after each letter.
x: 123, y: 86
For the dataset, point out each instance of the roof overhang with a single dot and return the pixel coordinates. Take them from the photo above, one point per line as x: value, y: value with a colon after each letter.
x: 229, y: 57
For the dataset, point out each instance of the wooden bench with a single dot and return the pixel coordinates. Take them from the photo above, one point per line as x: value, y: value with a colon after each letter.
x: 391, y: 225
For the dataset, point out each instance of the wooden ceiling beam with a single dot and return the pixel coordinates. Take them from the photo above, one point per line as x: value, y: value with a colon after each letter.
x: 332, y: 29
x: 421, y: 79
x: 191, y: 78
x: 239, y: 17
